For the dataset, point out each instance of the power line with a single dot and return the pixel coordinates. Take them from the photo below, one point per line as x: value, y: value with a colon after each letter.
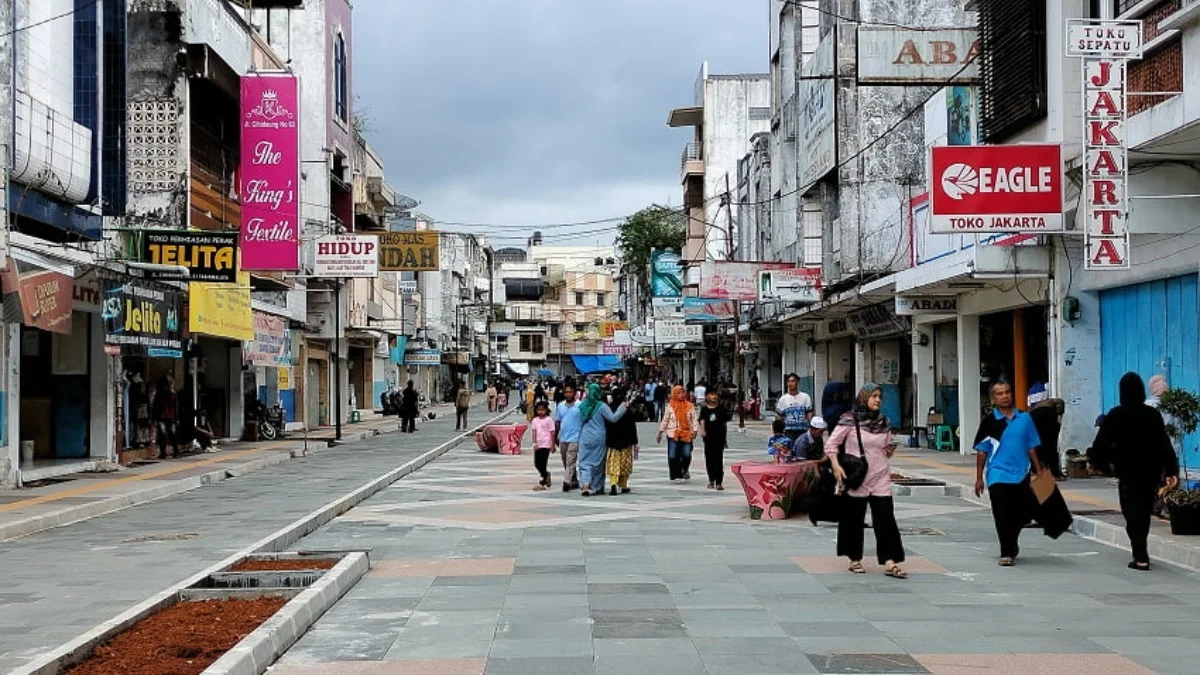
x: 841, y: 17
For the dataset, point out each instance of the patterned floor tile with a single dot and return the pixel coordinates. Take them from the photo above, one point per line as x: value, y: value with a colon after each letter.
x: 836, y: 565
x: 1030, y: 664
x: 448, y: 567
x: 404, y: 667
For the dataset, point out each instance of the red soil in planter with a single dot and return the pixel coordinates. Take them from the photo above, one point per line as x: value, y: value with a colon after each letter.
x: 183, y: 639
x: 284, y: 565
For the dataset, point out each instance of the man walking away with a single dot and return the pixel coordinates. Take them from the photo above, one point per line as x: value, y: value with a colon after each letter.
x: 462, y: 401
x: 408, y: 409
x: 661, y: 392
x: 1007, y: 444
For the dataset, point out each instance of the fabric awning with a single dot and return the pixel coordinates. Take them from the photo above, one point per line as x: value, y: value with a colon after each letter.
x: 517, y: 368
x: 587, y: 364
x: 545, y: 372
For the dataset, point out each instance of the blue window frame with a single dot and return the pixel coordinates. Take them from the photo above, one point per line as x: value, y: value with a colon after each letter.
x: 341, y: 87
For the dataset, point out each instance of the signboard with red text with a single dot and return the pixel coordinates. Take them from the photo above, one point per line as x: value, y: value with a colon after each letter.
x: 989, y: 189
x: 1105, y: 49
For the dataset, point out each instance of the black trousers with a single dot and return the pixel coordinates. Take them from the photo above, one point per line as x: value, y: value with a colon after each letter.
x: 883, y: 520
x: 1048, y: 456
x: 541, y: 460
x: 1137, y: 503
x: 1012, y: 508
x: 460, y: 422
x: 408, y: 424
x: 714, y: 458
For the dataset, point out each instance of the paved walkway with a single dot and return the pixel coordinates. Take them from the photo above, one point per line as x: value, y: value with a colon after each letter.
x: 473, y: 573
x: 59, y: 583
x: 76, y: 496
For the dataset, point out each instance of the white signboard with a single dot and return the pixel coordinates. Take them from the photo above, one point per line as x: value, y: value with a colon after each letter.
x: 790, y: 285
x: 668, y: 308
x: 622, y: 338
x: 818, y: 92
x: 1108, y: 39
x: 909, y: 56
x: 677, y: 331
x: 503, y: 329
x: 926, y: 305
x: 347, y: 256
x: 408, y: 287
x: 610, y: 346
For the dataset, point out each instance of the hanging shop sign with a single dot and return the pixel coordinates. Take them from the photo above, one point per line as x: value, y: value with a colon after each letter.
x: 270, y: 171
x: 423, y: 357
x: 875, y: 322
x: 456, y: 358
x: 407, y: 287
x: 622, y: 338
x: 926, y: 305
x: 415, y: 251
x: 503, y: 329
x: 667, y: 308
x: 346, y: 256
x: 818, y: 112
x: 208, y: 256
x: 733, y: 279
x: 271, y: 346
x: 677, y: 331
x: 1105, y: 48
x: 222, y: 310
x: 708, y: 310
x: 609, y: 328
x: 790, y: 285
x: 37, y: 297
x: 666, y: 273
x: 889, y: 55
x: 142, y: 320
x: 988, y: 189
x: 610, y: 346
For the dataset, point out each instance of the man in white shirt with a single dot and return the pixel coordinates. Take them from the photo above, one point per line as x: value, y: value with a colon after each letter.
x: 700, y: 391
x: 795, y: 407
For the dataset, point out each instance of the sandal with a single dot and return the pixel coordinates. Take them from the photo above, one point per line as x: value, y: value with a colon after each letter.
x: 896, y: 572
x: 539, y: 488
x: 857, y: 568
x: 1007, y: 561
x: 1139, y: 566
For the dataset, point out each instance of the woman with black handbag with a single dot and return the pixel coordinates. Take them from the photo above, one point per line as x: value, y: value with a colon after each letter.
x: 860, y: 450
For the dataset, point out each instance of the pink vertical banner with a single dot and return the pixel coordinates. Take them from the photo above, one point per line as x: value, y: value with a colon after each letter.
x: 270, y: 172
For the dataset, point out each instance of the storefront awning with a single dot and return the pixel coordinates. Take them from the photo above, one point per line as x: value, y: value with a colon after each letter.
x: 517, y: 368
x: 973, y: 267
x: 545, y: 372
x: 601, y: 363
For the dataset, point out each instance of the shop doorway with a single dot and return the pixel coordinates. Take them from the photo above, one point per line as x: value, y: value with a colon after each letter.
x: 1013, y: 347
x: 55, y: 401
x: 316, y: 401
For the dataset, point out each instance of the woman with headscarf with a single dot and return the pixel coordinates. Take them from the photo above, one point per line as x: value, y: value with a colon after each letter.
x: 408, y: 409
x: 593, y: 440
x: 622, y: 439
x: 1135, y: 440
x: 866, y: 432
x: 681, y: 423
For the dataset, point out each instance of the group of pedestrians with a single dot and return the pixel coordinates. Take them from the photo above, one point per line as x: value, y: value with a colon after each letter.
x: 595, y: 436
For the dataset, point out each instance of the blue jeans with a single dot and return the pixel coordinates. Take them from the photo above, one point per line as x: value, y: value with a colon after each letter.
x: 679, y: 458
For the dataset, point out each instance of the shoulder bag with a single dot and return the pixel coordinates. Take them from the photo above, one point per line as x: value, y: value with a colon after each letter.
x: 854, y: 466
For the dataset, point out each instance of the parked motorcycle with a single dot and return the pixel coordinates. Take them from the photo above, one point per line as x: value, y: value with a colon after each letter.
x: 269, y: 419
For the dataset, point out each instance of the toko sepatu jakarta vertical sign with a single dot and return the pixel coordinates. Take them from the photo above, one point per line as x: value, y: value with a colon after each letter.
x: 270, y: 171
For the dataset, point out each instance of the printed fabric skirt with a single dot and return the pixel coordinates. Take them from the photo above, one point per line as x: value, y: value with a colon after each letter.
x: 620, y: 462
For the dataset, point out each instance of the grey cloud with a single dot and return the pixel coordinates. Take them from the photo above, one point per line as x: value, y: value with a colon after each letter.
x: 481, y: 108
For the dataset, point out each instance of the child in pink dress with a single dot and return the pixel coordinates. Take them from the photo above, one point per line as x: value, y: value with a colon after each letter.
x: 543, y: 443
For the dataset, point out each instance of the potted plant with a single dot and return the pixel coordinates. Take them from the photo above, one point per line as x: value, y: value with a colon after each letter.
x: 1182, y: 409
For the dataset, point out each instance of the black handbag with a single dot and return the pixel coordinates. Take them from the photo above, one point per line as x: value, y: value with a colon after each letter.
x: 853, y: 466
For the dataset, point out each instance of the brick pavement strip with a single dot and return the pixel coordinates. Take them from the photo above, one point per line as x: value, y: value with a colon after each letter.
x: 674, y: 578
x: 62, y: 582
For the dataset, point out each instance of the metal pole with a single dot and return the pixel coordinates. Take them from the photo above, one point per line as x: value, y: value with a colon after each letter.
x: 337, y: 359
x: 737, y: 314
x: 491, y: 309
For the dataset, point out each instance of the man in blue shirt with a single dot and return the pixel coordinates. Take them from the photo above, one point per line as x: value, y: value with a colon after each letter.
x: 568, y: 425
x: 1006, y: 446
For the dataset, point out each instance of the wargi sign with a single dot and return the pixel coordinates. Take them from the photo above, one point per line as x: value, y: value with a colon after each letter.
x: 987, y: 189
x: 1106, y: 48
x: 208, y: 256
x: 270, y: 171
x: 415, y: 251
x: 347, y: 256
x: 901, y: 55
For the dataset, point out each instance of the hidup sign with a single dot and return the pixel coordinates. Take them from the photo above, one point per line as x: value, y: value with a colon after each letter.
x: 986, y: 189
x: 1106, y: 48
x: 348, y: 256
x: 142, y: 318
x: 889, y: 55
x: 415, y: 251
x: 270, y: 171
x: 208, y: 256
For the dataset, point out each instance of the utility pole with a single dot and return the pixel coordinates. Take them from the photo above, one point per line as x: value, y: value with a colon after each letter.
x: 737, y: 310
x: 491, y: 310
x: 337, y: 359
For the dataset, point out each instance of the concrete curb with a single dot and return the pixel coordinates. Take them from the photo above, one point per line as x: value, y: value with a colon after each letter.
x: 74, y: 514
x: 258, y: 650
x: 53, y: 662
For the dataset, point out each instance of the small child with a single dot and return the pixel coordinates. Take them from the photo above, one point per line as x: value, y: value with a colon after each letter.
x: 543, y: 442
x: 780, y: 445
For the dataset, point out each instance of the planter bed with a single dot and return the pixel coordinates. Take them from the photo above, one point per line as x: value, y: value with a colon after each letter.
x: 229, y: 622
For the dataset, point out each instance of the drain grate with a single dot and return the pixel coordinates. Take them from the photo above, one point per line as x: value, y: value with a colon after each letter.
x: 918, y: 482
x: 143, y: 462
x: 43, y: 482
x: 1095, y: 512
x: 168, y: 536
x: 921, y: 532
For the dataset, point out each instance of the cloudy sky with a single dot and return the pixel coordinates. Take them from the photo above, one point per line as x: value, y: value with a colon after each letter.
x: 517, y: 112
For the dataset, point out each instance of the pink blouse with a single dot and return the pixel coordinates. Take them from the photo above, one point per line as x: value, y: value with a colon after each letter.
x: 879, y: 467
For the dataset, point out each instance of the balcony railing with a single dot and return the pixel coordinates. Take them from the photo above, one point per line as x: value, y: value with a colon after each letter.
x: 692, y: 152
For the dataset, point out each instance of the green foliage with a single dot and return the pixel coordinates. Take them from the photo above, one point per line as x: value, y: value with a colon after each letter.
x: 1183, y: 409
x: 1182, y: 498
x: 652, y: 227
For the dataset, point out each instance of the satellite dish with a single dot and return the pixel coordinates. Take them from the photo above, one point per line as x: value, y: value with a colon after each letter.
x: 406, y: 203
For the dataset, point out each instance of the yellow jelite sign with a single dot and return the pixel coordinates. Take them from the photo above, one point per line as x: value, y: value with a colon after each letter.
x: 221, y: 310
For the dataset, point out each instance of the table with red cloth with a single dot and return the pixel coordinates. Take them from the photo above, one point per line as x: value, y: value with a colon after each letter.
x: 775, y: 491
